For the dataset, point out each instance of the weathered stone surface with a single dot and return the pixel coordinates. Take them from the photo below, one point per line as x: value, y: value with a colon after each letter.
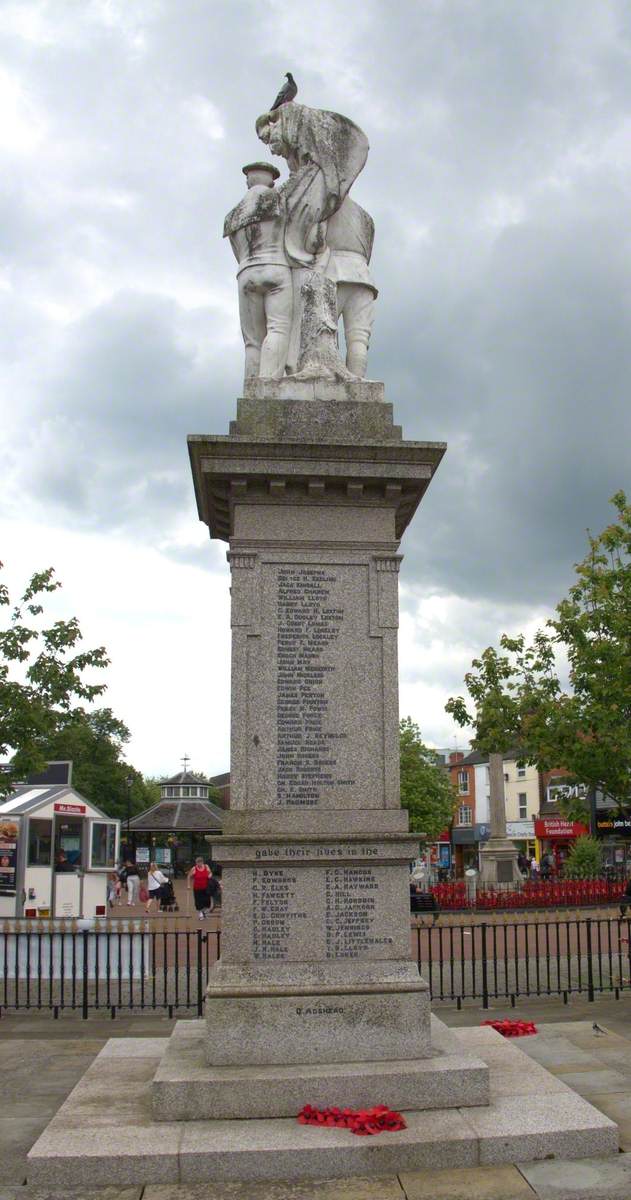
x: 550, y: 1126
x: 590, y: 1179
x: 185, y: 1089
x: 383, y: 1188
x: 352, y: 1026
x: 77, y: 1150
x: 477, y: 1183
x: 269, y: 392
x: 285, y: 1150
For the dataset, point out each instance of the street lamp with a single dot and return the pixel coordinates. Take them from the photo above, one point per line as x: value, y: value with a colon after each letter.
x: 129, y: 781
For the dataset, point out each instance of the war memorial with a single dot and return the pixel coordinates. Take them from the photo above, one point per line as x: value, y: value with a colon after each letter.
x: 315, y: 999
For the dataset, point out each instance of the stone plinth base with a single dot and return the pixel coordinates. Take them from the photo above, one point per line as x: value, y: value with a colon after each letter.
x: 184, y: 1089
x: 93, y: 1140
x: 365, y: 1024
x: 498, y: 862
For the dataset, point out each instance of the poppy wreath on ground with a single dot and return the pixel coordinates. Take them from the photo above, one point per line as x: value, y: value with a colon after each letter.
x: 512, y: 1028
x: 362, y: 1121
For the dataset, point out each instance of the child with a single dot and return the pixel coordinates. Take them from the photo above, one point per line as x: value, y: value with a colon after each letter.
x: 113, y: 888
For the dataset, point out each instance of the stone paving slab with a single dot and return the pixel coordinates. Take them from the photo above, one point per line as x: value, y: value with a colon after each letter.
x: 483, y: 1183
x: 591, y: 1179
x: 546, y: 1126
x: 592, y: 1082
x: 376, y: 1188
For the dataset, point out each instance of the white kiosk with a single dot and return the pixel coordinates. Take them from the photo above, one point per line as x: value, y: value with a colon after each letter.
x: 56, y: 849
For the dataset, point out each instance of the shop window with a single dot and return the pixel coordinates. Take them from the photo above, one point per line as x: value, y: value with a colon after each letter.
x: 103, y: 845
x: 523, y: 805
x: 464, y: 814
x: 463, y: 783
x: 40, y: 842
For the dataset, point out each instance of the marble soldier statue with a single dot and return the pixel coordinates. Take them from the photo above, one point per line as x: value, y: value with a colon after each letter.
x: 325, y: 153
x: 350, y: 235
x: 256, y: 229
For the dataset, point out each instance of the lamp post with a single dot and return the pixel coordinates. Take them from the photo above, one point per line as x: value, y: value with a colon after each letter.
x: 129, y: 782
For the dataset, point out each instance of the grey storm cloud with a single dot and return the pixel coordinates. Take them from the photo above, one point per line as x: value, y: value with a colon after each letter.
x: 499, y: 179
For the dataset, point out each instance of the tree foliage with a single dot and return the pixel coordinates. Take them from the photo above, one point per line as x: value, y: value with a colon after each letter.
x: 95, y: 742
x: 426, y: 789
x: 42, y: 676
x: 585, y: 859
x: 519, y: 701
x: 43, y: 682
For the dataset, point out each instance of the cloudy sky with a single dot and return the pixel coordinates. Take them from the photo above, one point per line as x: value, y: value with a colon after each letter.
x: 499, y: 178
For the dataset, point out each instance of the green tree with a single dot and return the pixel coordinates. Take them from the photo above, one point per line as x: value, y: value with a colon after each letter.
x: 95, y: 742
x: 426, y: 789
x: 42, y: 677
x: 585, y: 859
x: 518, y: 699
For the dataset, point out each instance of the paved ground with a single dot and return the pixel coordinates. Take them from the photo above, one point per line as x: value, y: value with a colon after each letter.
x: 41, y: 1060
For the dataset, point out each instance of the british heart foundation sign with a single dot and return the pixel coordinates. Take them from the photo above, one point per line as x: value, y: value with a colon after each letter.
x: 76, y: 809
x: 558, y: 827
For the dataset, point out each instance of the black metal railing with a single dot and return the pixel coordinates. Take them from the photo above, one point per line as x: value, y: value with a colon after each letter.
x: 109, y: 970
x: 507, y: 960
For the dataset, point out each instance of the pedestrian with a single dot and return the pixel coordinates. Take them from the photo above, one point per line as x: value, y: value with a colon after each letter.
x: 129, y: 875
x: 112, y: 883
x: 155, y: 883
x: 534, y: 868
x: 625, y: 899
x: 212, y: 890
x: 198, y: 877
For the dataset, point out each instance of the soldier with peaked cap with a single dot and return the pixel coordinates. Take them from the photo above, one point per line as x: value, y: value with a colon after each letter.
x: 256, y: 229
x: 350, y: 235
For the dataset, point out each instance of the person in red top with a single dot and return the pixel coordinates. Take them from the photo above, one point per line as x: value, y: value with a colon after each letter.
x: 200, y: 876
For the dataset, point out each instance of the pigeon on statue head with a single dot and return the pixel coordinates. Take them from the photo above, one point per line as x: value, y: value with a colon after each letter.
x: 288, y: 91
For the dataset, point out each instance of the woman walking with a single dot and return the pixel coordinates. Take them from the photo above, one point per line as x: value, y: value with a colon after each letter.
x: 129, y: 875
x: 155, y: 882
x: 199, y: 876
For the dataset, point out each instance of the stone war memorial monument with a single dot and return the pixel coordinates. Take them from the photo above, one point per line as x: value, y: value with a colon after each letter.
x: 315, y: 998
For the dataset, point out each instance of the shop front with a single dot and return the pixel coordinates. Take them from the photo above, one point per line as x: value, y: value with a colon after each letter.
x: 613, y: 826
x: 466, y: 841
x: 555, y: 835
x: 522, y: 833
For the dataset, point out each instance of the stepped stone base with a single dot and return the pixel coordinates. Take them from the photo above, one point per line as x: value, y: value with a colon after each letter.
x: 184, y: 1089
x: 95, y: 1140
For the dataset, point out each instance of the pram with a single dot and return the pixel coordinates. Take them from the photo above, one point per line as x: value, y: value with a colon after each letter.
x: 168, y: 903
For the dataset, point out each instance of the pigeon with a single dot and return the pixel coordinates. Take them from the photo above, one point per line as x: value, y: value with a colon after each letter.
x: 597, y: 1028
x: 287, y: 92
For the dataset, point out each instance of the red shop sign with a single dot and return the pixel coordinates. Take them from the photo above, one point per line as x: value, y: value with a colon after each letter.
x: 557, y: 827
x: 69, y: 808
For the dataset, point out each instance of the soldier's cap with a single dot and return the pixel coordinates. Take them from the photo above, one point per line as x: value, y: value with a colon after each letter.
x: 262, y: 166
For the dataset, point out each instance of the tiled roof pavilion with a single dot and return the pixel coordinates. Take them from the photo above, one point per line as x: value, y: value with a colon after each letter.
x: 183, y: 807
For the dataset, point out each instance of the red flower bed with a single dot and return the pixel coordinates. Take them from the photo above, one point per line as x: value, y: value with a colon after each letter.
x: 540, y: 893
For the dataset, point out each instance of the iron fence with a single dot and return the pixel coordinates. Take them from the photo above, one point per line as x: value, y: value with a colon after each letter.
x: 109, y: 970
x: 508, y: 960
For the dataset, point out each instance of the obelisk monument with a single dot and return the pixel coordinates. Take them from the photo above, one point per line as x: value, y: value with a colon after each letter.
x: 312, y: 489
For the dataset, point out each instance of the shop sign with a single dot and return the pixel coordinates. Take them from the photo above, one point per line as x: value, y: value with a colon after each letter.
x: 77, y: 809
x: 565, y: 791
x: 558, y: 827
x: 9, y: 831
x: 614, y: 823
x: 520, y: 829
